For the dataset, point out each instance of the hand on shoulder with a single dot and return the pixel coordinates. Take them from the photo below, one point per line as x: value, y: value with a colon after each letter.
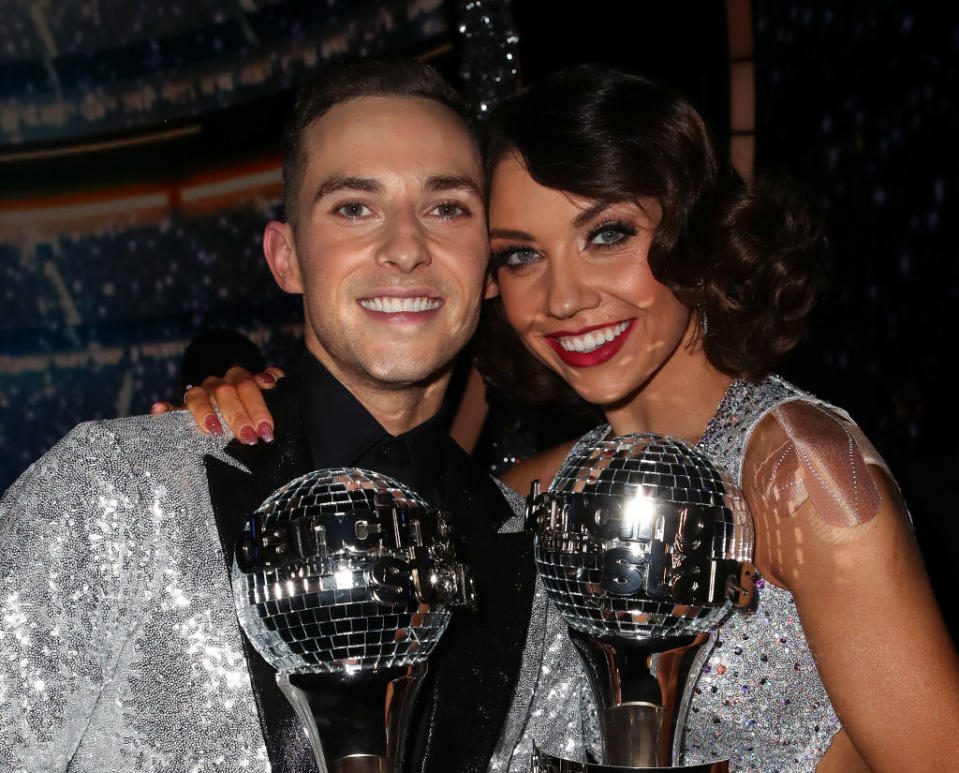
x: 238, y: 396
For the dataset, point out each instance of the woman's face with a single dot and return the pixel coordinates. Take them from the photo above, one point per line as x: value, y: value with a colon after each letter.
x: 576, y: 285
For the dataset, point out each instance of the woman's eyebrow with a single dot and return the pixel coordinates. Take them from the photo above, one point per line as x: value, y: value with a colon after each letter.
x: 506, y: 233
x: 589, y: 213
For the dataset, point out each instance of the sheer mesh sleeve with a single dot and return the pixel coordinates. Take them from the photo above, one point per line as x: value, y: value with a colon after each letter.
x: 823, y: 458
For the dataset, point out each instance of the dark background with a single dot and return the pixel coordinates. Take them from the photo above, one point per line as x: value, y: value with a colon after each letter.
x: 856, y: 101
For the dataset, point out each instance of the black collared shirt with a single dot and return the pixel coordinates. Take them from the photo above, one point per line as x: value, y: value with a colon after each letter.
x: 340, y: 432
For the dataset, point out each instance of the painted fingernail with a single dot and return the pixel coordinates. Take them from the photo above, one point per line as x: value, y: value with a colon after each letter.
x: 265, y: 431
x: 248, y: 436
x: 266, y: 379
x: 213, y: 424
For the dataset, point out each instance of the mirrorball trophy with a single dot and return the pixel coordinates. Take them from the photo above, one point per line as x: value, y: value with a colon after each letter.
x: 645, y: 546
x: 344, y: 581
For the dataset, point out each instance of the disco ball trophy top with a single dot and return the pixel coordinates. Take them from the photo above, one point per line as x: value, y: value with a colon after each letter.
x: 644, y: 545
x: 344, y: 581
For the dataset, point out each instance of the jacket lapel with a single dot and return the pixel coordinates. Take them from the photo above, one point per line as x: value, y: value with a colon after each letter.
x: 235, y: 494
x: 476, y: 665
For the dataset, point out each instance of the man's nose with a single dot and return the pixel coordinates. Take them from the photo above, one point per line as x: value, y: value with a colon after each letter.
x: 569, y: 290
x: 405, y: 244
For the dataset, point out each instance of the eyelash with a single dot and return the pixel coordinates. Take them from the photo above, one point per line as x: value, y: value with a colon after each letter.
x: 500, y: 258
x: 625, y: 229
x: 463, y: 209
x: 460, y: 210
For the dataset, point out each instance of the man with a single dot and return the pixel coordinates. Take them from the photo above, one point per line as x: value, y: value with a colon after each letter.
x: 119, y: 646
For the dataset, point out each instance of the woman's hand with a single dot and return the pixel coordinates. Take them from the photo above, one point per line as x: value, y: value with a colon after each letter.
x: 239, y: 397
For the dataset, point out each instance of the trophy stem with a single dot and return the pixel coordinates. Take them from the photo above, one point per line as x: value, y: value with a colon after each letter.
x: 301, y: 705
x: 633, y: 735
x: 639, y: 712
x: 358, y: 723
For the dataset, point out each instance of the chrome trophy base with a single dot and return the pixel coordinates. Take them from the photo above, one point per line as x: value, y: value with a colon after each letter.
x: 543, y: 763
x: 640, y: 721
x: 344, y: 716
x: 362, y: 763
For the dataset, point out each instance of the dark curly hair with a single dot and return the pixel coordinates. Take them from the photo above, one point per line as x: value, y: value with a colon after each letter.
x: 746, y: 260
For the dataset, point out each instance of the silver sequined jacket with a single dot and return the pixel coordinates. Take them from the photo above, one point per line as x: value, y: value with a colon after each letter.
x: 754, y: 697
x: 119, y: 647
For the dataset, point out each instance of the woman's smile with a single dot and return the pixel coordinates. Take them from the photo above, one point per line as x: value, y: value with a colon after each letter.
x: 591, y: 345
x: 576, y: 284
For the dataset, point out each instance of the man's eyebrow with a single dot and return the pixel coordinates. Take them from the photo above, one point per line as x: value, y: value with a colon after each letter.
x: 452, y: 182
x: 347, y: 183
x: 507, y: 233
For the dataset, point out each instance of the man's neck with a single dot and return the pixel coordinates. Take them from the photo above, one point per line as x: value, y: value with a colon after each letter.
x: 396, y: 407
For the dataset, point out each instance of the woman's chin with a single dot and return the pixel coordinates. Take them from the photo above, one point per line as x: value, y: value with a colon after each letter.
x: 602, y: 395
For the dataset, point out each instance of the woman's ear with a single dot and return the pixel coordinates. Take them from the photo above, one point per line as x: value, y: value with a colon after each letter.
x: 280, y: 251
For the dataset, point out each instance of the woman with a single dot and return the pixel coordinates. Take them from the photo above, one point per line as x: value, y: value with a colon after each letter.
x: 637, y: 269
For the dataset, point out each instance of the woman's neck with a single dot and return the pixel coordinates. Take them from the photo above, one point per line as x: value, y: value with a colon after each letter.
x: 678, y: 400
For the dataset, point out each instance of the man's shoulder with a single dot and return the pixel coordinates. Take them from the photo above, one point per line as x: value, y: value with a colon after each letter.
x: 144, y: 438
x: 118, y: 448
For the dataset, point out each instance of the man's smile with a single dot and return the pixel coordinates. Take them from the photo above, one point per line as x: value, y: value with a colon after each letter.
x: 393, y: 305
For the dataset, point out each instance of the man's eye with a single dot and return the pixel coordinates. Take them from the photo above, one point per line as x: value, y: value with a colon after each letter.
x: 354, y: 210
x: 515, y: 257
x: 448, y: 209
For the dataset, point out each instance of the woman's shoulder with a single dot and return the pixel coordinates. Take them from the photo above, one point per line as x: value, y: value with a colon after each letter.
x: 808, y: 450
x: 813, y: 482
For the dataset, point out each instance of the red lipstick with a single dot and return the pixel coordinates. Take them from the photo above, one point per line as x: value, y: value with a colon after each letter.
x: 599, y: 355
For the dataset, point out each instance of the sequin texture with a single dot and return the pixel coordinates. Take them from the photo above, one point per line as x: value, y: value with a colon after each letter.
x: 755, y: 696
x: 552, y: 706
x: 119, y: 647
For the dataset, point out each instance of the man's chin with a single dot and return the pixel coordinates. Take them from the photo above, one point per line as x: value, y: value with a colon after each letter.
x: 393, y: 368
x: 390, y: 364
x: 408, y: 373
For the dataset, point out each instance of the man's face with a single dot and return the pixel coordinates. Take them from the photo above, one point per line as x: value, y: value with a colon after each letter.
x: 390, y: 247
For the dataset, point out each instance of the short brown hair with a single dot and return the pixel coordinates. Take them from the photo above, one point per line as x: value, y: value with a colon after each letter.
x: 350, y: 80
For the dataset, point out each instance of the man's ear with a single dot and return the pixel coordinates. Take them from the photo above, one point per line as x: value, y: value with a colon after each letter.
x: 491, y: 290
x: 280, y: 251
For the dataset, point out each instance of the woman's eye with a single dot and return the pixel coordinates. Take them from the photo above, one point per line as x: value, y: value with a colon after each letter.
x: 607, y: 237
x: 354, y: 210
x: 515, y: 257
x: 448, y: 209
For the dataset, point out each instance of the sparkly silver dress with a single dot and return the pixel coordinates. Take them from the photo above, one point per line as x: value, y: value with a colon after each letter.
x: 754, y: 696
x: 119, y: 647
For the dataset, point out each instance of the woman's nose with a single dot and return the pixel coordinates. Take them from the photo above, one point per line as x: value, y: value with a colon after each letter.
x: 569, y: 290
